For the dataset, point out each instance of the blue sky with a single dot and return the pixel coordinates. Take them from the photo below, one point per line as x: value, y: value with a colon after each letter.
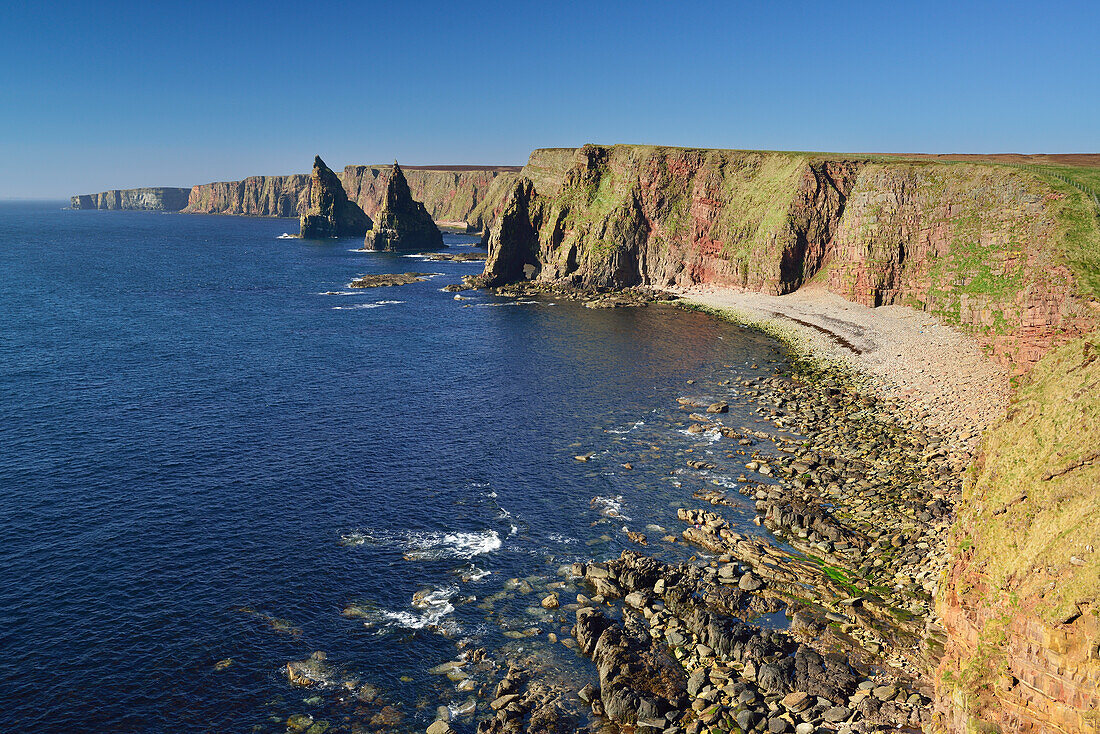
x: 117, y: 95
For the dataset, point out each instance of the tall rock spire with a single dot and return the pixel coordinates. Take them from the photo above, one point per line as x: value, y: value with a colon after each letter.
x: 403, y: 223
x: 330, y: 213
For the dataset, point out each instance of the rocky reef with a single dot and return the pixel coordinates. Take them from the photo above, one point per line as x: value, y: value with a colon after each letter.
x: 330, y: 214
x: 979, y: 245
x: 402, y: 223
x: 155, y: 199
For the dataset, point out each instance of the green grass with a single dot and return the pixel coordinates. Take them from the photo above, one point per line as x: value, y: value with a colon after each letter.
x: 1025, y: 549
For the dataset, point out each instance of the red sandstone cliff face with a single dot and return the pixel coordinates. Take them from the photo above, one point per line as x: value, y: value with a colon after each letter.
x: 630, y: 215
x: 976, y: 244
x: 1021, y: 601
x: 1005, y: 668
x: 979, y: 245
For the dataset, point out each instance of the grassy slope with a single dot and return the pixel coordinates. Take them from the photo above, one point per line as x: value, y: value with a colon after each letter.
x: 1024, y: 546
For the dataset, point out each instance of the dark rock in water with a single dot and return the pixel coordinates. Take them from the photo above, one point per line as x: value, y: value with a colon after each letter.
x: 590, y: 625
x: 458, y: 257
x: 525, y: 705
x: 403, y: 223
x: 385, y: 279
x: 330, y: 214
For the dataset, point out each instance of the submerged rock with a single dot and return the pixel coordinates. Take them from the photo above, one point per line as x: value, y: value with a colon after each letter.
x: 330, y: 214
x: 403, y: 223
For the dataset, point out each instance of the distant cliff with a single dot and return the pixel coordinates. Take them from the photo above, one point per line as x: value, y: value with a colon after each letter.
x: 450, y: 193
x: 258, y: 196
x: 980, y: 245
x: 158, y: 198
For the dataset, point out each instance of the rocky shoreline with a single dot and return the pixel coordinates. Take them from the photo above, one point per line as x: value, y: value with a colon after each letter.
x: 857, y: 492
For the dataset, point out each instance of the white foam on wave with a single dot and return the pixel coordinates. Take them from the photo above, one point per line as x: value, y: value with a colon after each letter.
x: 710, y: 435
x: 355, y: 537
x: 376, y: 304
x: 609, y: 506
x: 287, y: 236
x: 475, y: 574
x: 434, y: 606
x: 633, y: 426
x: 435, y: 546
x: 563, y: 539
x: 509, y: 303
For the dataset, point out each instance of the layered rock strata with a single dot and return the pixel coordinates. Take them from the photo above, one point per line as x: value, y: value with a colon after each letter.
x: 257, y: 196
x: 460, y: 195
x: 330, y: 214
x: 979, y: 245
x: 402, y: 223
x: 157, y: 199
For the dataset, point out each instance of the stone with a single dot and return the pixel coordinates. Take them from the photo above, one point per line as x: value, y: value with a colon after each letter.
x: 329, y: 213
x: 298, y: 722
x: 440, y: 727
x: 550, y: 601
x: 696, y: 681
x: 750, y: 582
x: 499, y: 703
x: 836, y: 714
x: 797, y: 701
x: 778, y: 725
x: 402, y: 224
x: 747, y: 719
x: 885, y: 693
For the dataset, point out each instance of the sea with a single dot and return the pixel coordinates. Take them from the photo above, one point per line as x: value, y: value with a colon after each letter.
x: 217, y: 458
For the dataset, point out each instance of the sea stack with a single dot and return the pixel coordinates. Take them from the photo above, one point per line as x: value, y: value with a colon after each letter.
x: 330, y: 213
x: 402, y: 223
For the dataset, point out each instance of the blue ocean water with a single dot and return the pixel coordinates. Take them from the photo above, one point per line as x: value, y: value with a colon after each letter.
x: 216, y: 458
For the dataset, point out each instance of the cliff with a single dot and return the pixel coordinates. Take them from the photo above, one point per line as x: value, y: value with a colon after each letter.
x: 1020, y: 603
x: 258, y: 196
x: 402, y: 223
x: 449, y: 195
x: 157, y: 198
x: 1008, y: 252
x: 984, y: 246
x: 457, y: 194
x: 330, y: 213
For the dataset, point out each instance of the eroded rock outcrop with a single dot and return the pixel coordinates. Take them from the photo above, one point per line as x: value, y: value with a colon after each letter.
x: 402, y: 224
x: 459, y: 195
x: 155, y: 199
x: 330, y: 214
